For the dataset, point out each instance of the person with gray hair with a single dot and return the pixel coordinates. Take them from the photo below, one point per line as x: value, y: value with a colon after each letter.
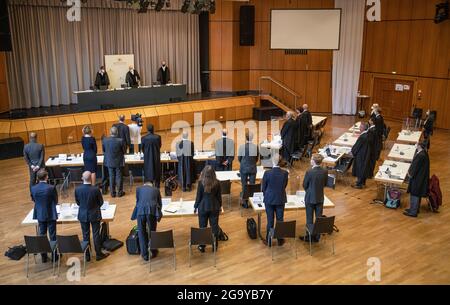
x: 186, y: 165
x: 90, y: 199
x: 34, y: 155
x: 123, y: 132
x: 224, y: 153
x: 114, y: 160
x: 248, y: 156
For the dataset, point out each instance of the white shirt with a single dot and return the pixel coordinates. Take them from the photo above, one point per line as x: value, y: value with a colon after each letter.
x: 135, y: 133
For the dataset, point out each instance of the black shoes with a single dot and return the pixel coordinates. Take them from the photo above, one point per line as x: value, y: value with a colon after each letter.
x: 281, y: 242
x: 101, y: 256
x: 306, y: 239
x: 113, y: 195
x: 407, y: 213
x: 121, y: 194
x: 201, y: 249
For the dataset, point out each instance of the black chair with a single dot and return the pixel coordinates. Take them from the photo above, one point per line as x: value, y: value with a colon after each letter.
x: 161, y: 240
x: 225, y: 188
x: 331, y: 182
x: 324, y: 226
x: 202, y: 236
x: 37, y: 245
x: 71, y: 245
x: 249, y: 190
x: 283, y: 230
x: 343, y: 167
x: 75, y: 176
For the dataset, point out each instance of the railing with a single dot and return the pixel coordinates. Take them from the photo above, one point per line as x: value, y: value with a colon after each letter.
x: 296, y: 97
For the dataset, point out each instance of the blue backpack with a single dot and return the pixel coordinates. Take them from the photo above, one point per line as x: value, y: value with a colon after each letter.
x: 392, y: 199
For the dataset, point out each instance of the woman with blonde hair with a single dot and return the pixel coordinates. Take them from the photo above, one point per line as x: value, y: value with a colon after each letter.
x: 89, y: 152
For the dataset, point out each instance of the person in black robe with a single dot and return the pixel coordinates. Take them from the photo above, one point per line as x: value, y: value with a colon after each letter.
x: 305, y: 126
x: 419, y: 177
x: 186, y: 166
x: 163, y: 74
x: 361, y: 153
x: 151, y: 146
x: 101, y: 79
x: 298, y: 118
x: 372, y: 113
x: 288, y: 135
x: 428, y: 128
x: 132, y: 78
x: 372, y: 139
x: 379, y: 131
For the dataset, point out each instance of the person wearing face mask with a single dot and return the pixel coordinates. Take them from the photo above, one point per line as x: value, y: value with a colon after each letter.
x: 101, y: 79
x: 163, y: 74
x: 419, y: 177
x: 132, y: 78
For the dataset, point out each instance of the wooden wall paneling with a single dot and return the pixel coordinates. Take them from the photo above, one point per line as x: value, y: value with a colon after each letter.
x: 312, y: 81
x: 401, y: 47
x: 389, y: 47
x: 68, y: 129
x: 227, y: 11
x: 325, y: 60
x: 429, y: 47
x: 266, y: 53
x: 300, y: 85
x: 390, y: 10
x: 98, y: 124
x: 313, y: 59
x: 215, y: 81
x: 230, y: 109
x: 227, y: 81
x: 187, y: 113
x: 289, y: 80
x: 278, y: 91
x: 175, y: 114
x: 4, y: 96
x: 227, y: 45
x: 35, y: 125
x: 81, y: 120
x: 220, y: 109
x: 19, y: 129
x: 415, y: 50
x: 442, y: 58
x: 405, y: 10
x: 324, y: 93
x: 447, y: 107
x: 369, y: 46
x: 197, y: 107
x: 209, y: 113
x: 378, y: 51
x: 255, y: 51
x: 5, y: 127
x: 52, y: 131
x: 215, y: 43
x: 163, y: 117
x: 151, y: 117
x: 438, y: 100
x: 111, y: 118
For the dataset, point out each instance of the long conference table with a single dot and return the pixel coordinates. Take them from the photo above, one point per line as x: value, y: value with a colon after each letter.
x: 91, y: 100
x: 294, y: 202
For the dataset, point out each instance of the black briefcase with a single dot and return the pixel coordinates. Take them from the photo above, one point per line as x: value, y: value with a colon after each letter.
x: 132, y: 242
x: 251, y: 228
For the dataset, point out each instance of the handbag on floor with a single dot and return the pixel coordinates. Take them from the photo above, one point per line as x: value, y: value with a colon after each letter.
x: 16, y: 252
x: 392, y: 199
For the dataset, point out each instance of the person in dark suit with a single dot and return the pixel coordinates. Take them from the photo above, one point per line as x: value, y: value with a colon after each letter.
x: 224, y: 153
x: 163, y: 76
x: 89, y: 153
x: 428, y: 128
x: 314, y: 183
x: 298, y: 122
x: 45, y: 200
x: 114, y: 160
x: 288, y: 135
x: 274, y: 185
x: 90, y: 199
x: 361, y: 152
x: 34, y: 155
x: 132, y: 78
x: 101, y: 79
x: 379, y: 131
x: 208, y: 202
x: 186, y: 165
x: 305, y: 126
x: 419, y: 178
x: 123, y: 132
x: 151, y: 146
x: 372, y: 138
x: 248, y: 157
x: 147, y: 213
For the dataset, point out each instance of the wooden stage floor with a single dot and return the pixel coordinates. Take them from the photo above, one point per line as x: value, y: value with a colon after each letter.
x: 412, y: 251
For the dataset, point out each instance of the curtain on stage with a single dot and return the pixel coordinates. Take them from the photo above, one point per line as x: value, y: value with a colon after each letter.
x: 347, y: 61
x: 53, y: 57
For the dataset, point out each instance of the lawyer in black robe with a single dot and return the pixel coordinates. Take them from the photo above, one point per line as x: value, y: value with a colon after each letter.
x: 428, y: 128
x: 361, y: 163
x: 288, y: 135
x: 186, y: 166
x: 379, y: 130
x: 101, y: 79
x: 372, y: 140
x: 419, y: 177
x: 163, y: 74
x: 151, y: 146
x: 305, y: 128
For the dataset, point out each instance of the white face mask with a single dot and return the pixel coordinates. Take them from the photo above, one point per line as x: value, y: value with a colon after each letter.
x: 102, y: 71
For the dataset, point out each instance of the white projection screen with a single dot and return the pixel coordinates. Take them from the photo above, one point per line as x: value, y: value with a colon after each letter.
x: 305, y: 29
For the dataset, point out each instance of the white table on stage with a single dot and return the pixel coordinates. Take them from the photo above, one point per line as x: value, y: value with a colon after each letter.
x: 355, y: 128
x: 347, y: 139
x: 234, y: 175
x: 336, y: 151
x: 392, y: 172
x: 409, y: 136
x: 402, y: 152
x: 295, y: 202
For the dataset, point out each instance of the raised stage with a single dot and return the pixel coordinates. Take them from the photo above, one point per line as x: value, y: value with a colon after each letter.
x: 66, y: 128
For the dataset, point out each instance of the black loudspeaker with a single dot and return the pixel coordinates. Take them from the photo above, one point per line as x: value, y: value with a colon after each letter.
x: 5, y: 33
x: 247, y: 25
x: 11, y: 148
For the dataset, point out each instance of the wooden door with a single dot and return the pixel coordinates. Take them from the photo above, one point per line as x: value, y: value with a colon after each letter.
x: 394, y: 97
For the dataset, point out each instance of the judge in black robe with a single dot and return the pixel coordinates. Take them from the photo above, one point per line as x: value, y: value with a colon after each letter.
x: 361, y: 153
x: 297, y: 128
x: 305, y: 126
x: 163, y: 74
x: 372, y: 140
x: 288, y: 135
x: 419, y: 177
x: 132, y: 78
x: 151, y: 146
x: 186, y: 166
x: 101, y: 79
x: 428, y: 128
x: 379, y: 131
